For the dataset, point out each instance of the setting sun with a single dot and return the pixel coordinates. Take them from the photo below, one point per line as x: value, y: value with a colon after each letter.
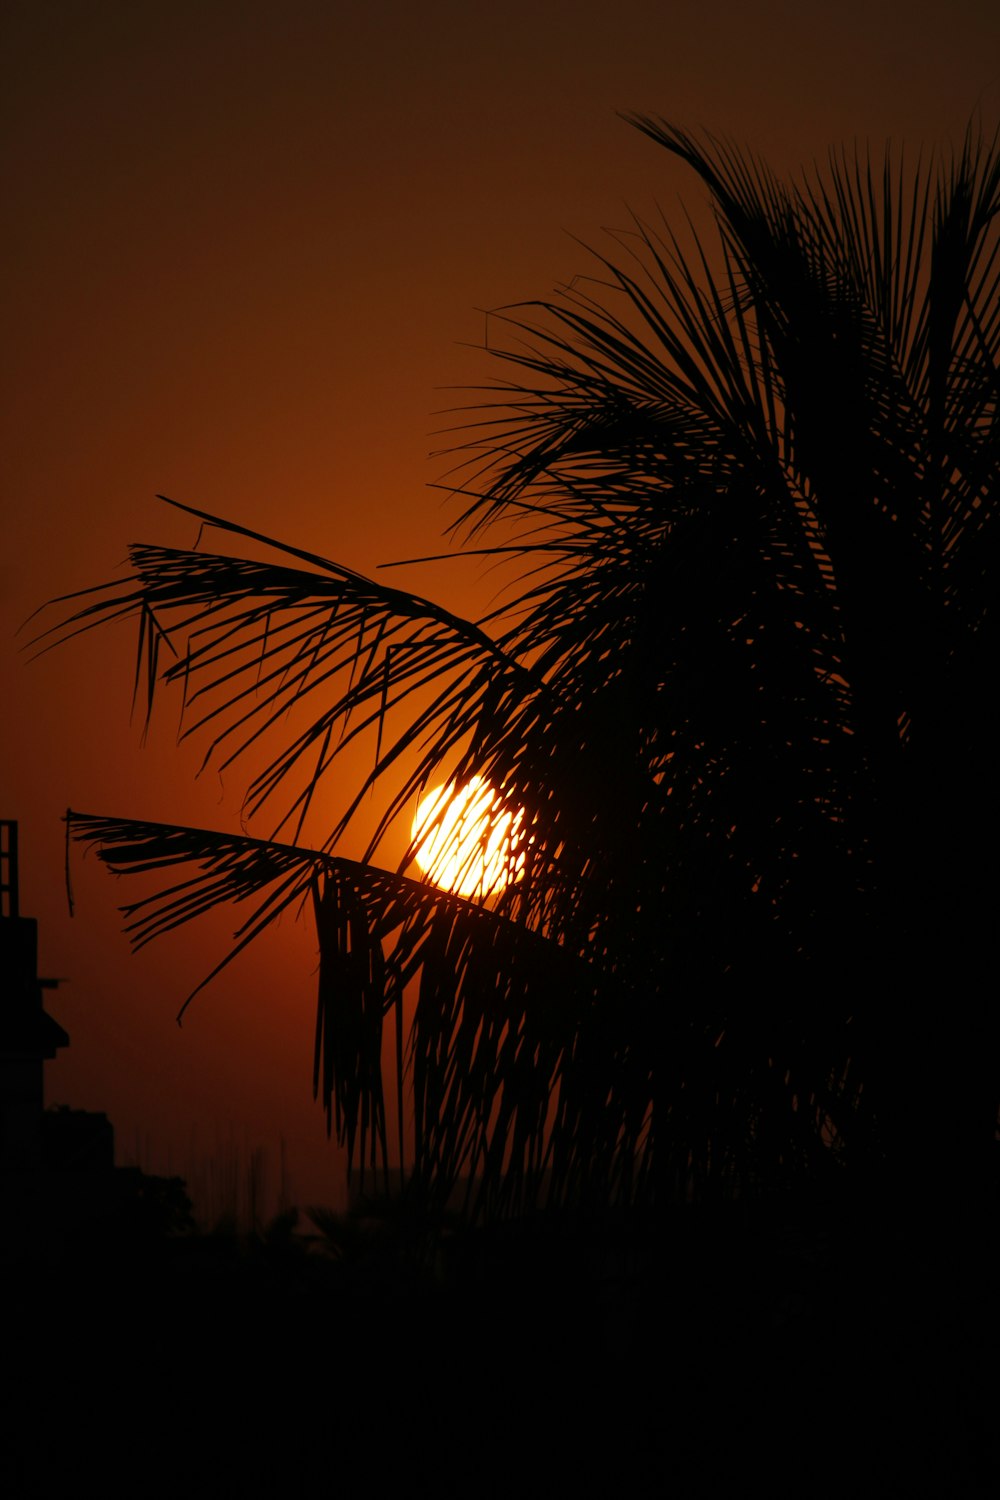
x: 461, y: 844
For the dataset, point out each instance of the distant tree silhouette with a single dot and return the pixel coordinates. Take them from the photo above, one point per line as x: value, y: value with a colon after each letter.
x: 740, y: 691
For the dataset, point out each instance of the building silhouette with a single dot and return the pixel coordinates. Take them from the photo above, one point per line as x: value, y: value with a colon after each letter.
x: 56, y: 1165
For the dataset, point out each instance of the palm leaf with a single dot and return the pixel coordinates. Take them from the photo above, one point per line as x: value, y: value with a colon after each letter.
x: 485, y: 1052
x: 249, y: 640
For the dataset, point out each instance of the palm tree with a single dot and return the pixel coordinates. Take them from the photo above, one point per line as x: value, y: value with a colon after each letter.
x: 750, y: 489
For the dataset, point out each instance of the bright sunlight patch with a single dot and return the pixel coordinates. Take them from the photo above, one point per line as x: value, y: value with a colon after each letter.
x: 463, y: 843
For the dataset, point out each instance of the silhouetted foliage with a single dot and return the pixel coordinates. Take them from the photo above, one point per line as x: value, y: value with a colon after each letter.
x: 751, y: 491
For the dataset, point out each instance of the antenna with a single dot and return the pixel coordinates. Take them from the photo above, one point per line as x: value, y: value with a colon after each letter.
x: 8, y: 868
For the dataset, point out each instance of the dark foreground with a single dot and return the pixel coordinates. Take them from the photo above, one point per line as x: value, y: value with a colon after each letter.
x: 785, y: 1349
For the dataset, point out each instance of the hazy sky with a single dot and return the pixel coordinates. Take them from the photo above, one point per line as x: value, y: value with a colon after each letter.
x: 247, y: 248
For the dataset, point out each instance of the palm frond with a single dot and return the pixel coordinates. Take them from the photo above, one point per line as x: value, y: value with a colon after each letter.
x: 497, y: 1015
x: 249, y: 640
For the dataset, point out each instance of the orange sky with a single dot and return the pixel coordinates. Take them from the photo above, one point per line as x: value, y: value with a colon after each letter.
x: 245, y: 247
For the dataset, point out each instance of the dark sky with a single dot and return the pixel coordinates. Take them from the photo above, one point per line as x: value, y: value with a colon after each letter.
x: 246, y: 249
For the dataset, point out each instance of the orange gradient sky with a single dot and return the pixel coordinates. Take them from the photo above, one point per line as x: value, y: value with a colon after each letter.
x: 247, y: 251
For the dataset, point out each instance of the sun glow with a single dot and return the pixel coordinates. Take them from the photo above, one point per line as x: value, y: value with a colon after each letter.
x: 464, y: 845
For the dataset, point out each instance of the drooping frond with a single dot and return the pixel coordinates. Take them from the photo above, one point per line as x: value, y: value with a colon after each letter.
x: 496, y: 1017
x: 229, y: 868
x: 250, y: 640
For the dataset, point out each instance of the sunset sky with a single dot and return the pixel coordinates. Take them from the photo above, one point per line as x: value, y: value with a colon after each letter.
x: 247, y: 253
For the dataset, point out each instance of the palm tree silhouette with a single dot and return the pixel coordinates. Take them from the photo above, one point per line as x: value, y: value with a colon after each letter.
x: 751, y: 491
